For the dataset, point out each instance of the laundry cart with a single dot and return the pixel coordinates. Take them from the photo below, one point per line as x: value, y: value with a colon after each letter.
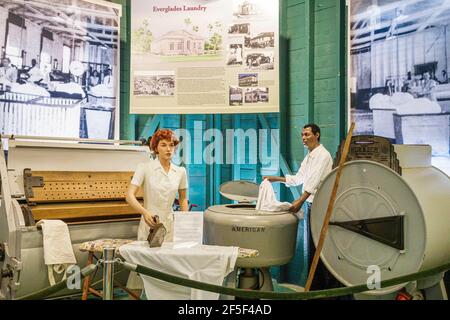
x: 98, y: 117
x: 383, y: 124
x: 33, y: 115
x: 432, y: 129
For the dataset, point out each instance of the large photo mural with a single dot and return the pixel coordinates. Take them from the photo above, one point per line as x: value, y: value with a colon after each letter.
x: 59, y: 72
x: 399, y: 64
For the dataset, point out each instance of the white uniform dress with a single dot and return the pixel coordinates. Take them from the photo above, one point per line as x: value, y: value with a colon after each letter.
x: 160, y: 189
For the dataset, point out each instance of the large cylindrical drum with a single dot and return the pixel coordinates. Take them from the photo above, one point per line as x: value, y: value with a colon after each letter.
x: 273, y: 234
x: 403, y: 221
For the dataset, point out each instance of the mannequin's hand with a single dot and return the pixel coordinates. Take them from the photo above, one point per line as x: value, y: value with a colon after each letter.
x: 150, y: 220
x: 296, y: 205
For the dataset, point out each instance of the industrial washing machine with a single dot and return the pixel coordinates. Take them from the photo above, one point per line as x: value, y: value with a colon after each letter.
x: 391, y: 216
x: 81, y: 182
x: 273, y: 234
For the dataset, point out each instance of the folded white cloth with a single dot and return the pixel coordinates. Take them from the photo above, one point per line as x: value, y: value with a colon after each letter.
x: 267, y: 200
x: 30, y: 88
x: 70, y: 88
x: 58, y: 251
x: 210, y: 264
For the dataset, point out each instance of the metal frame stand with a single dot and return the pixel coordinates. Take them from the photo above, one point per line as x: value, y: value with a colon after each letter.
x: 108, y: 273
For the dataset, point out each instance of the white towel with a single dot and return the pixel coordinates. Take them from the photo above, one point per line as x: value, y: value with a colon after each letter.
x: 210, y: 264
x: 267, y: 200
x: 30, y: 88
x: 102, y: 90
x: 70, y: 88
x: 58, y: 251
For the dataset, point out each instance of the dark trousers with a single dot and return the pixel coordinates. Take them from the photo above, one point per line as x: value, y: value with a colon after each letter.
x: 323, y: 279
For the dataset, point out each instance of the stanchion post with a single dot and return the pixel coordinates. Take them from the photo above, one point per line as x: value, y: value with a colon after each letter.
x: 327, y: 218
x: 108, y: 273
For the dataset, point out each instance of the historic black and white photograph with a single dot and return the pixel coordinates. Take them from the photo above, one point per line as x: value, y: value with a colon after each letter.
x: 248, y: 79
x: 260, y: 40
x: 399, y: 61
x: 58, y: 59
x: 162, y: 34
x: 239, y: 28
x: 259, y: 60
x: 157, y: 83
x: 236, y: 96
x: 256, y: 95
x: 234, y: 56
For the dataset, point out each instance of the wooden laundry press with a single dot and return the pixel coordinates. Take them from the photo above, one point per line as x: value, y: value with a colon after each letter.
x: 77, y: 196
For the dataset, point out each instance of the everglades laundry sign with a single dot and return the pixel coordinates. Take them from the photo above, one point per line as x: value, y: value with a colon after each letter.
x: 179, y: 8
x: 215, y: 56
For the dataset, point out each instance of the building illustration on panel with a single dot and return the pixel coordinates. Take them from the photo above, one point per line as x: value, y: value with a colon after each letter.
x: 179, y: 42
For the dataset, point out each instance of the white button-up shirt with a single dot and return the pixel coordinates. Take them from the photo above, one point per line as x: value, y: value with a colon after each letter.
x: 160, y: 189
x: 35, y: 74
x: 314, y: 168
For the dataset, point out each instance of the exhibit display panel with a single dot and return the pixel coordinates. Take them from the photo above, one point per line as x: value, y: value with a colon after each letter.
x: 191, y: 57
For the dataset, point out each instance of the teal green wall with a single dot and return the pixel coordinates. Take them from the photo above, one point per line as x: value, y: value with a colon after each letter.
x: 313, y: 73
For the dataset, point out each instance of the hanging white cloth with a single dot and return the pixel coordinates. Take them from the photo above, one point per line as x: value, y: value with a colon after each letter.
x: 210, y: 264
x: 267, y: 200
x: 58, y: 251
